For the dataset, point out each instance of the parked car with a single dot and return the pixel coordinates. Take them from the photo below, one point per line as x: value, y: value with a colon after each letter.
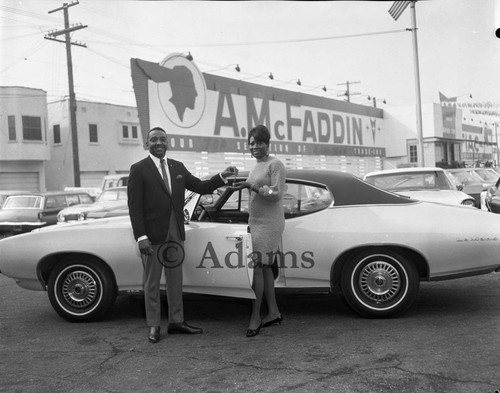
x: 27, y: 211
x: 94, y: 215
x: 116, y: 180
x: 488, y: 175
x: 5, y: 193
x: 471, y: 183
x: 492, y: 198
x: 108, y: 181
x: 341, y: 234
x: 109, y: 200
x: 425, y: 184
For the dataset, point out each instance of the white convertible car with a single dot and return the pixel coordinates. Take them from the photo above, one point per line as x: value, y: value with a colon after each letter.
x: 341, y: 234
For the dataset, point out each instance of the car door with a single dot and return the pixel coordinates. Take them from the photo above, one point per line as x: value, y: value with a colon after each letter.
x: 306, y: 255
x: 53, y: 205
x: 216, y: 258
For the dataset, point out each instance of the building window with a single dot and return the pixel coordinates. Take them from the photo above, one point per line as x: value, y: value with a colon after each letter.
x: 12, y: 128
x: 130, y: 133
x: 57, y: 133
x: 93, y: 133
x: 413, y: 154
x: 32, y: 128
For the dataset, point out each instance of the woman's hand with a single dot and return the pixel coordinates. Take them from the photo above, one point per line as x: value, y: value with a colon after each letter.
x: 240, y: 185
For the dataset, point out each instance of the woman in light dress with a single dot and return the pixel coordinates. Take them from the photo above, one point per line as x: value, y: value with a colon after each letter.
x: 266, y: 184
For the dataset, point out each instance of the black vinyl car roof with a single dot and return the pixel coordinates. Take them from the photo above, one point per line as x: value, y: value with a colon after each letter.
x: 347, y: 188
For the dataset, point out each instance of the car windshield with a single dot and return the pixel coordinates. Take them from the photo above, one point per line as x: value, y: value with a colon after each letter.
x: 411, y: 181
x: 467, y: 177
x: 488, y: 175
x: 23, y: 202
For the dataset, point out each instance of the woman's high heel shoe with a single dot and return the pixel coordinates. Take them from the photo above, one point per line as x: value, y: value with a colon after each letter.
x: 253, y: 332
x: 275, y: 321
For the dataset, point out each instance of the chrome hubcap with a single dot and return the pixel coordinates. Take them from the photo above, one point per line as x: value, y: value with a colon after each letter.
x: 379, y: 281
x: 79, y: 289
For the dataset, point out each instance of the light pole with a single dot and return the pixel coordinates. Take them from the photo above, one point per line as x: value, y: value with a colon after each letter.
x: 395, y: 11
x: 496, y: 138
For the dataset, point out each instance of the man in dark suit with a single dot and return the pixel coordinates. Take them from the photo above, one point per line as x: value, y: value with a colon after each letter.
x: 156, y: 202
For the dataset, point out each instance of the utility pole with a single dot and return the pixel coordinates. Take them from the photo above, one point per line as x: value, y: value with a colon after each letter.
x: 72, y: 101
x: 347, y: 92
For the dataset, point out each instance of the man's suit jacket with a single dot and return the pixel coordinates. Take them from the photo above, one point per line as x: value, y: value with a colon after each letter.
x: 150, y: 204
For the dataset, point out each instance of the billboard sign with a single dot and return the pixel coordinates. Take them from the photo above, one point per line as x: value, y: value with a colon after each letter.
x: 203, y: 112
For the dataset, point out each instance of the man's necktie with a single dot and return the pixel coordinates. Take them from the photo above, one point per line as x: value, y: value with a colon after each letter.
x: 164, y: 173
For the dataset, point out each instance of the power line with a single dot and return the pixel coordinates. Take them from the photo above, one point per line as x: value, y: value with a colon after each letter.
x: 23, y: 12
x: 295, y: 40
x: 268, y: 42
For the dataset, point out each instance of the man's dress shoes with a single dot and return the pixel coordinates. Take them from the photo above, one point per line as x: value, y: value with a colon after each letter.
x: 183, y: 328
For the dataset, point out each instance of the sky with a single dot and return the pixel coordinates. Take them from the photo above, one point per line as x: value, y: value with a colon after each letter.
x: 320, y: 43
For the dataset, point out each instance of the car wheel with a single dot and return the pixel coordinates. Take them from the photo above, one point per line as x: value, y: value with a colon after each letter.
x: 379, y: 284
x: 81, y: 289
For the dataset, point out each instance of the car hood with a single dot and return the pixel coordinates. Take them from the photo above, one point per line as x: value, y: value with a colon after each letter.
x: 18, y: 215
x: 448, y: 197
x: 116, y: 211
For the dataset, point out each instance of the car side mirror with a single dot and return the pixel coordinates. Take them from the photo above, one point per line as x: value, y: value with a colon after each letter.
x: 460, y: 187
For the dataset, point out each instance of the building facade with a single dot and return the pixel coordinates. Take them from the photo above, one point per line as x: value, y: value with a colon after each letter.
x: 452, y: 137
x: 24, y: 147
x: 109, y: 140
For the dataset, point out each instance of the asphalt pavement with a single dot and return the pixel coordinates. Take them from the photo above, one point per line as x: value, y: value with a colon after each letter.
x: 449, y: 341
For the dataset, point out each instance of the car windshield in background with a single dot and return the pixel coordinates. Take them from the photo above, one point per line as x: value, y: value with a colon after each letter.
x: 487, y: 174
x: 466, y: 177
x: 411, y: 181
x: 23, y: 202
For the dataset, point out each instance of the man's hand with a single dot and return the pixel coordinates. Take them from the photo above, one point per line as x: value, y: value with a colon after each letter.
x: 145, y: 247
x: 229, y: 171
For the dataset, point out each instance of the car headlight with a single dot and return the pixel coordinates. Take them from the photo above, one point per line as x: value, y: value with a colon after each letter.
x: 61, y: 217
x: 469, y: 202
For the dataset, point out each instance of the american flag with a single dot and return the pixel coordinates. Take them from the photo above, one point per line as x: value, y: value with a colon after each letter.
x: 397, y: 8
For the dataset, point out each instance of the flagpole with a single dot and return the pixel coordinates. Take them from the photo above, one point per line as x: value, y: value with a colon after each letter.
x: 420, y: 137
x: 496, y: 137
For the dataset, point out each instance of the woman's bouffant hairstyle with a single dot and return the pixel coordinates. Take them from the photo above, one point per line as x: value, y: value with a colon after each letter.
x: 260, y: 133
